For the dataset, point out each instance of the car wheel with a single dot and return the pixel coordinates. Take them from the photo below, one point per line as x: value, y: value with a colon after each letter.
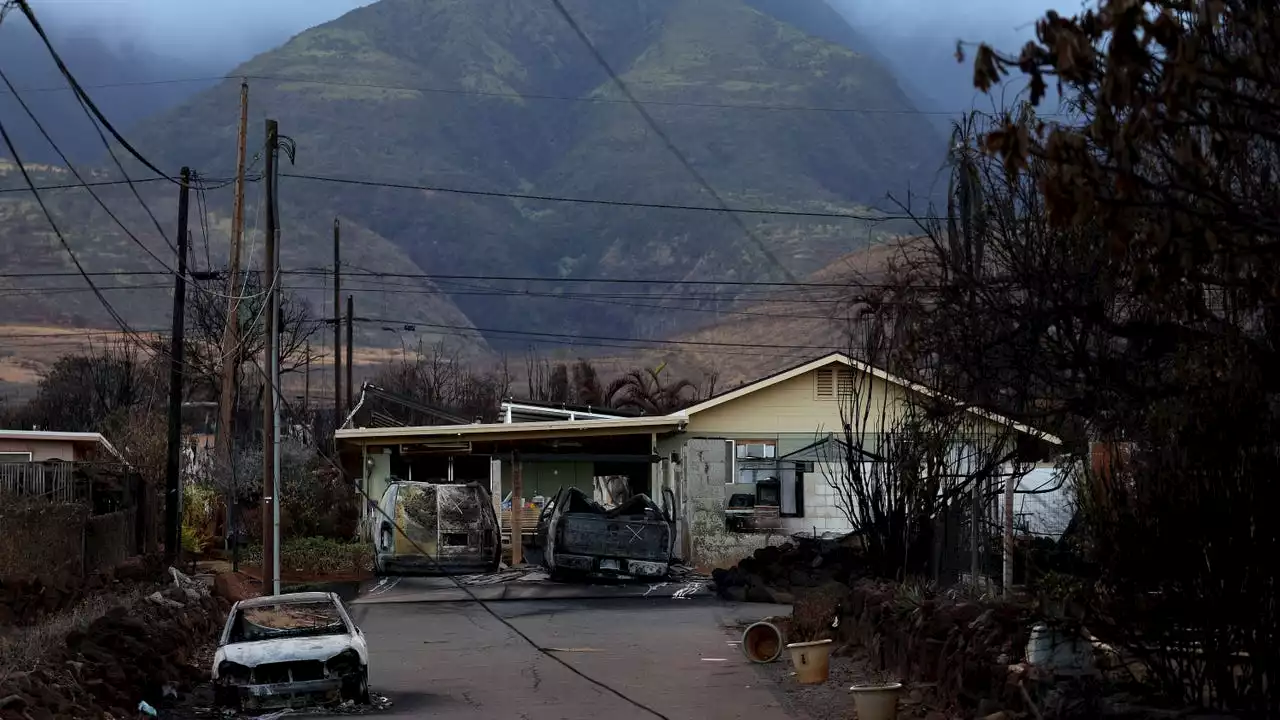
x: 362, y: 696
x: 357, y: 688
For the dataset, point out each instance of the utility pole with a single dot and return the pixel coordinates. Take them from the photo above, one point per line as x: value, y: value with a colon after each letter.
x: 517, y: 510
x: 231, y: 332
x: 338, y: 415
x: 306, y: 379
x: 350, y: 319
x: 270, y: 432
x: 173, y: 485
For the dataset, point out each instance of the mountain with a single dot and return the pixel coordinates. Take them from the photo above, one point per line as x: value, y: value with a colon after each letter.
x: 501, y: 96
x: 130, y: 70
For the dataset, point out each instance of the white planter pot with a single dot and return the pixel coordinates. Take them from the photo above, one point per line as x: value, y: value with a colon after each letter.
x: 876, y: 702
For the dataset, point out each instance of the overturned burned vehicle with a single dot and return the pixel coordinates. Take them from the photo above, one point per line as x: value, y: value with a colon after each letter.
x: 578, y: 536
x: 436, y: 529
x: 290, y: 651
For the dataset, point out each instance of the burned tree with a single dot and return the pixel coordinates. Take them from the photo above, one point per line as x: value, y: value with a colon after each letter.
x: 1128, y: 294
x: 905, y: 456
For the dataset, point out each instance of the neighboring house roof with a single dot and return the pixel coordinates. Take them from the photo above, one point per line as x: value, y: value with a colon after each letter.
x: 524, y: 430
x: 527, y: 410
x: 843, y: 359
x: 67, y: 437
x: 383, y: 408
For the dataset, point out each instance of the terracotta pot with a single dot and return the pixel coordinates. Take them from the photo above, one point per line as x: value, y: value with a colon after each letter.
x: 762, y: 642
x: 812, y: 661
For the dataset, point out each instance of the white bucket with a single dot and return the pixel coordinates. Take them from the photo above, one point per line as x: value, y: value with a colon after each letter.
x: 876, y: 702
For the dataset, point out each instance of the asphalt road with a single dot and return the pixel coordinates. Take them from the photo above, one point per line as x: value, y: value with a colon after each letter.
x: 455, y: 660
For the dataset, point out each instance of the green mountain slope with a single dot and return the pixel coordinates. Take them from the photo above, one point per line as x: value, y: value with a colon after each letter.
x: 478, y: 95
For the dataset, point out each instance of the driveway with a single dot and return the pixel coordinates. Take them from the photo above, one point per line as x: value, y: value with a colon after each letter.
x: 455, y: 660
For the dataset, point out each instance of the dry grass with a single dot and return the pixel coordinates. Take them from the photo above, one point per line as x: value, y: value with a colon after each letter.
x: 21, y: 648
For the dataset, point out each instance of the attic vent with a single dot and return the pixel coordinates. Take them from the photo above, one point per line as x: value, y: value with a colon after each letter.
x: 827, y: 382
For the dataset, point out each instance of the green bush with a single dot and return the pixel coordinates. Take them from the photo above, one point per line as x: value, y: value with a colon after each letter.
x: 318, y: 556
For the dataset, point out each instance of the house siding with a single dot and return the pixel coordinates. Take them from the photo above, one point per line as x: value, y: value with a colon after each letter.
x: 791, y: 407
x: 41, y: 450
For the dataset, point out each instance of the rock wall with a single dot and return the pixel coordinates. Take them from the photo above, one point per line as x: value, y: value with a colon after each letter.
x: 144, y: 652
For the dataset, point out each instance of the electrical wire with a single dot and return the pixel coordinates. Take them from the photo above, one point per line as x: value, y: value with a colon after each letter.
x: 86, y: 101
x: 595, y: 100
x: 278, y: 392
x: 595, y: 201
x: 22, y: 168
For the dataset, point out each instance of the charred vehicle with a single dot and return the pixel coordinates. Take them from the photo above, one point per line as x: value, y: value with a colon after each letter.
x: 289, y: 651
x: 436, y: 529
x: 578, y: 536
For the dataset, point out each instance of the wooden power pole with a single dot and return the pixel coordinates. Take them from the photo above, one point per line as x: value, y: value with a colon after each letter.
x: 338, y: 415
x: 350, y: 320
x: 231, y: 332
x: 270, y: 571
x: 517, y: 510
x: 173, y: 467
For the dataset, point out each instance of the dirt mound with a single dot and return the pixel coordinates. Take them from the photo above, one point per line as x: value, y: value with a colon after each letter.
x: 144, y: 652
x: 778, y: 573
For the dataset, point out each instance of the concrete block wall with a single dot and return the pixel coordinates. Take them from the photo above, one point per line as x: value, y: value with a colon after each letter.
x: 822, y: 508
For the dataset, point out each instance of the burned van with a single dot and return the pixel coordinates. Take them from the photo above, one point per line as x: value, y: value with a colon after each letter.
x: 436, y: 529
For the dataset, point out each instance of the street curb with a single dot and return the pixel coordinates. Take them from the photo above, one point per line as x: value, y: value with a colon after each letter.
x: 516, y: 594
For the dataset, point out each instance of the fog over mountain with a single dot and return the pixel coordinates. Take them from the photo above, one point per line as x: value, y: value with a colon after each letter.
x: 114, y: 42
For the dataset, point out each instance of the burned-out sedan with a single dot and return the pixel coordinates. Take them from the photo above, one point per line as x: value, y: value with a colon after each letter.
x: 292, y: 650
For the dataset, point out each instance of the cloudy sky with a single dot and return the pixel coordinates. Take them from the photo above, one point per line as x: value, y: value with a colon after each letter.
x: 216, y: 29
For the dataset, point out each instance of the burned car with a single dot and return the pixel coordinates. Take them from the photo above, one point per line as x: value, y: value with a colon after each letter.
x: 579, y: 536
x: 436, y: 528
x: 288, y: 651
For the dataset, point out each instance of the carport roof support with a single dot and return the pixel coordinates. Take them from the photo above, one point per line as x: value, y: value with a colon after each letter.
x: 517, y: 431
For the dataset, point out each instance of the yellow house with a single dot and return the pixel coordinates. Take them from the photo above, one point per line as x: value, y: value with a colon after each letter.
x: 779, y: 443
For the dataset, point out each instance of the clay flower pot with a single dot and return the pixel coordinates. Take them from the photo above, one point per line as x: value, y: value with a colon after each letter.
x: 812, y: 661
x: 762, y: 642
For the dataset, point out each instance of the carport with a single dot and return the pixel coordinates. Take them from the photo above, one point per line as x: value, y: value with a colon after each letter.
x: 540, y: 457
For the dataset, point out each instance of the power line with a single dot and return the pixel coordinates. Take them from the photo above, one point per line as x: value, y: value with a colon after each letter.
x: 361, y: 276
x: 90, y: 184
x: 17, y: 158
x: 594, y: 201
x: 595, y: 100
x: 666, y: 139
x: 86, y: 101
x: 601, y: 280
x: 603, y: 338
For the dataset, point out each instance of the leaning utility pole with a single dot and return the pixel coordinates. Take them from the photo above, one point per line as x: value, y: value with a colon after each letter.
x: 350, y: 319
x: 231, y: 332
x: 270, y: 398
x: 338, y: 415
x: 173, y: 484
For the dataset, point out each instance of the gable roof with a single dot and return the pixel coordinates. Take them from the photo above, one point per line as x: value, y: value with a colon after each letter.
x: 844, y: 359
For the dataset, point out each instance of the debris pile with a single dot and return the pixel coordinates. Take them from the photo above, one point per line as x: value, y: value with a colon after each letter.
x: 775, y: 574
x: 143, y: 653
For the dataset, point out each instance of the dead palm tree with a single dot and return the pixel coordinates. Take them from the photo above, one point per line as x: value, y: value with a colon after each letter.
x: 644, y: 391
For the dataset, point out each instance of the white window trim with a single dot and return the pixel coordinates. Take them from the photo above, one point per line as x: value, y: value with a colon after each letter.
x: 5, y: 453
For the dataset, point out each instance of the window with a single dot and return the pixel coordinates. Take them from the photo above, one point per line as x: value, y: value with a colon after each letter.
x: 15, y: 457
x: 751, y: 460
x: 832, y: 382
